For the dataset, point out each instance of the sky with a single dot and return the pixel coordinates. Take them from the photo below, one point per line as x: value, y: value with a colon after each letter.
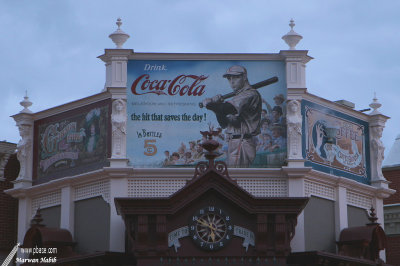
x: 50, y: 48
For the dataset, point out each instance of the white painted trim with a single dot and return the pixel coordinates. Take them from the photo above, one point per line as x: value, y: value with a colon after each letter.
x: 318, y: 189
x: 351, y: 194
x: 350, y: 184
x: 296, y: 187
x: 57, y: 184
x: 108, y: 172
x: 92, y: 189
x: 46, y: 200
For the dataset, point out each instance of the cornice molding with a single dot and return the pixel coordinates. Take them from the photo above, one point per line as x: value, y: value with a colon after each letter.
x: 296, y: 55
x: 108, y: 173
x: 349, y: 184
x: 115, y: 54
x: 117, y: 93
x: 335, y: 106
x: 204, y: 56
x: 50, y: 186
x: 72, y: 105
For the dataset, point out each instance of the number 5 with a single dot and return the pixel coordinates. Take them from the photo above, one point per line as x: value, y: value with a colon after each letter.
x: 150, y: 148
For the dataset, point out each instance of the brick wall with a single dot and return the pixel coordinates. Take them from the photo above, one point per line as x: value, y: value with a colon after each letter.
x: 8, y: 207
x: 392, y: 252
x: 393, y: 175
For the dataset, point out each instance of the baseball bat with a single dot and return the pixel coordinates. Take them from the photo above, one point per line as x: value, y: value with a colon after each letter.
x: 254, y: 86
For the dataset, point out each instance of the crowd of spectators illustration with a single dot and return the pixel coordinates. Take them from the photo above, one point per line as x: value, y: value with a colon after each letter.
x: 272, y: 137
x: 185, y: 155
x: 273, y: 126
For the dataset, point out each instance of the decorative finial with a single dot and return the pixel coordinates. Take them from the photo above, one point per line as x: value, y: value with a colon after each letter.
x: 291, y: 24
x: 119, y: 23
x: 292, y: 38
x: 372, y: 217
x: 26, y: 103
x: 375, y: 105
x: 211, y: 146
x: 37, y: 219
x: 119, y: 37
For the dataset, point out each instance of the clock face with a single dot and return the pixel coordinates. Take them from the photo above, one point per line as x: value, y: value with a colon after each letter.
x: 210, y: 228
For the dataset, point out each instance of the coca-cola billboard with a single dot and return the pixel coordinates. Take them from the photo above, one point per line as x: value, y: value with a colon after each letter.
x: 170, y: 101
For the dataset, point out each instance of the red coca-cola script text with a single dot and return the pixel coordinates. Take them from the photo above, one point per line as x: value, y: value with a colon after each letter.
x: 181, y: 85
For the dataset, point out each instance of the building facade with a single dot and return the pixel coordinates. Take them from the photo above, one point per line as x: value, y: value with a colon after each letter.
x: 8, y: 206
x: 391, y: 170
x: 138, y: 138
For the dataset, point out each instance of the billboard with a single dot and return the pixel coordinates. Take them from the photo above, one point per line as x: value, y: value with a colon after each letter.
x: 170, y: 101
x: 72, y: 142
x: 336, y: 143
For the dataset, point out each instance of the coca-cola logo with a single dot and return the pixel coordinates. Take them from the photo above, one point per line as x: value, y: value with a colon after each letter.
x: 182, y: 85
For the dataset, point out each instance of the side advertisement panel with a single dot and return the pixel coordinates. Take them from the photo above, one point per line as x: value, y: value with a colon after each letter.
x: 170, y: 101
x: 72, y: 142
x: 336, y: 143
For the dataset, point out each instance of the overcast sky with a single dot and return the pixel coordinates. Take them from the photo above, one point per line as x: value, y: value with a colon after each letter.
x: 50, y: 47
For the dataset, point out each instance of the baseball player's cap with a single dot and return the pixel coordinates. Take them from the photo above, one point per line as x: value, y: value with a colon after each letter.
x: 235, y: 71
x: 279, y: 97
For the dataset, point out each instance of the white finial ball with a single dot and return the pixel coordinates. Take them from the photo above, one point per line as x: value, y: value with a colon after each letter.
x: 292, y: 38
x: 26, y: 103
x: 119, y: 37
x: 375, y: 105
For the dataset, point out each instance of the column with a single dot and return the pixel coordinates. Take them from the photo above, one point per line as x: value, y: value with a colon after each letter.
x: 296, y: 189
x: 296, y: 83
x: 116, y: 77
x: 24, y: 217
x: 380, y: 215
x: 376, y: 125
x: 116, y: 61
x: 67, y: 209
x: 341, y: 219
x: 296, y: 61
x: 118, y: 188
x: 24, y: 120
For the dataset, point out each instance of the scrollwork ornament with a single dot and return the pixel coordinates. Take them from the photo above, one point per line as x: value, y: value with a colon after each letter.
x: 200, y: 169
x: 221, y: 168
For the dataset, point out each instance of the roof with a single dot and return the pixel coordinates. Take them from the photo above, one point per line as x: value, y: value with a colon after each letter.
x: 393, y: 158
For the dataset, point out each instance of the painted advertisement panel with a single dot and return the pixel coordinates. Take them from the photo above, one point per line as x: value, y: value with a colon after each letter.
x: 170, y: 101
x: 336, y: 143
x: 72, y: 142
